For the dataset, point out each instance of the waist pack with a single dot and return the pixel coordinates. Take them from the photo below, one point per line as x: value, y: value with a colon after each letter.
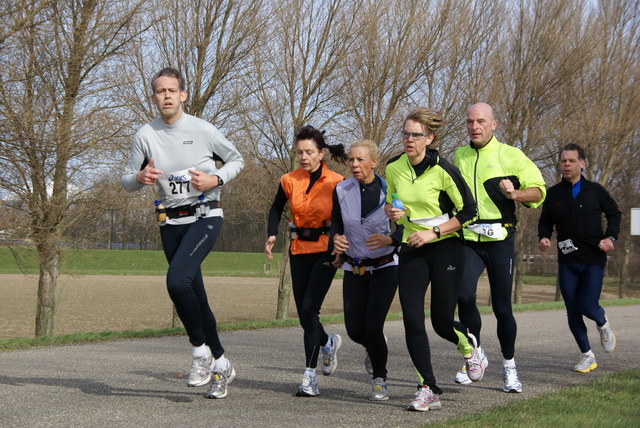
x: 189, y: 210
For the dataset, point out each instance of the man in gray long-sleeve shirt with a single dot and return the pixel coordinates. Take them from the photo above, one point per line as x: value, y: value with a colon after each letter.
x: 177, y: 153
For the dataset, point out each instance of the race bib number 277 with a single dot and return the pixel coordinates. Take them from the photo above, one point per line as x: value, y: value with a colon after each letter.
x: 177, y: 185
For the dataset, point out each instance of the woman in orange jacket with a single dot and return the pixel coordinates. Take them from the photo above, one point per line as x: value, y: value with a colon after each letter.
x: 309, y: 191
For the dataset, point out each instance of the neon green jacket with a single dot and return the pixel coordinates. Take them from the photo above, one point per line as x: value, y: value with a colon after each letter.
x: 483, y: 169
x: 431, y: 198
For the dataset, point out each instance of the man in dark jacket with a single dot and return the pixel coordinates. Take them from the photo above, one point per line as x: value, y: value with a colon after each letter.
x: 575, y: 207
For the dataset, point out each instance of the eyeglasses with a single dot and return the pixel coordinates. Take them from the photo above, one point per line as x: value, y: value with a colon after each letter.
x: 415, y: 135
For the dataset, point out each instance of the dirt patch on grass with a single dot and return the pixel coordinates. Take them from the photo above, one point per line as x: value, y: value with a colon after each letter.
x: 105, y: 302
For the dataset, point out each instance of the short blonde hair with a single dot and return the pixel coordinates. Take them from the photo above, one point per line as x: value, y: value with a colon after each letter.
x: 430, y: 120
x: 373, y: 147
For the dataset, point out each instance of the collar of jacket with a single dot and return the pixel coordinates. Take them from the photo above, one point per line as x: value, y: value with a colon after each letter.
x: 487, y: 146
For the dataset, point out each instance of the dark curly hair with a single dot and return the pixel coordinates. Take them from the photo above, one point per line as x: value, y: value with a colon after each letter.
x: 337, y: 151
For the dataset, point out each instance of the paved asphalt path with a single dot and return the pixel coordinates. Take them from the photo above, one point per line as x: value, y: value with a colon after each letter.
x: 140, y: 383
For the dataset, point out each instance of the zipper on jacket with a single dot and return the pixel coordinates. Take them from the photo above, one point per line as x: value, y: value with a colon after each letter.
x: 475, y: 184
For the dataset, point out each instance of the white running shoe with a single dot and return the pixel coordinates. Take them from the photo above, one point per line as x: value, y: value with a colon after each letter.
x: 510, y: 379
x: 200, y: 373
x: 425, y: 400
x: 221, y: 378
x: 308, y: 387
x: 607, y: 338
x: 379, y: 390
x: 586, y: 364
x: 329, y: 357
x: 461, y: 376
x: 473, y: 364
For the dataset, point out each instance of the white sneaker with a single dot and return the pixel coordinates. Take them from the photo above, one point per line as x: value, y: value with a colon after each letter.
x: 586, y: 364
x: 607, y: 338
x: 510, y: 379
x: 379, y: 390
x: 308, y: 387
x: 200, y: 373
x: 473, y: 364
x: 221, y: 379
x: 329, y: 357
x: 425, y: 400
x: 461, y: 376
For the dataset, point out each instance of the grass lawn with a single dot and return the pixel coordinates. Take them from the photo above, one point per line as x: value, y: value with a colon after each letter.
x: 136, y: 262
x: 606, y: 401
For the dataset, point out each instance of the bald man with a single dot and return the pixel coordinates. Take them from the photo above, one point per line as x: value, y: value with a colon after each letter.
x: 498, y: 175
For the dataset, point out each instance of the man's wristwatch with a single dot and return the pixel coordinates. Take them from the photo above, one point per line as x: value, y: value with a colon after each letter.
x: 436, y: 230
x: 220, y: 181
x: 612, y: 238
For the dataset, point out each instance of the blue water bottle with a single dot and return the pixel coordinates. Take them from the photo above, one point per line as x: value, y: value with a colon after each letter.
x: 396, y: 203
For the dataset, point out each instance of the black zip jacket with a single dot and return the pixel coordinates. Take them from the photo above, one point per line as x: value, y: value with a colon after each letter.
x: 580, y: 220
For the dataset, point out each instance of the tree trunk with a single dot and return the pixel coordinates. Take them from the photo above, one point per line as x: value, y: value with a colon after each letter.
x: 175, y: 319
x: 111, y: 227
x: 624, y: 269
x: 284, y: 286
x: 46, y: 302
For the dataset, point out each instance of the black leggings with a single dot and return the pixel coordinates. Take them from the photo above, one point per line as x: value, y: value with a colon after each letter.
x: 498, y: 258
x: 440, y: 263
x: 367, y: 299
x: 311, y: 276
x: 185, y: 247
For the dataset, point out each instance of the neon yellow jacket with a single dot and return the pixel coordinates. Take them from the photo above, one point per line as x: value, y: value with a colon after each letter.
x: 483, y: 169
x: 431, y: 198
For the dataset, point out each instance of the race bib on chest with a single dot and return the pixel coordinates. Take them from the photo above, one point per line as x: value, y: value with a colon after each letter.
x: 177, y: 185
x: 492, y: 230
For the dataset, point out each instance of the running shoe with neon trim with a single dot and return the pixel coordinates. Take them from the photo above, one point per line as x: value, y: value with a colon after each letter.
x: 586, y: 364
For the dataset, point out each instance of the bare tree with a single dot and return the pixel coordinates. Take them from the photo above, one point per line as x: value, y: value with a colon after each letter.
x: 392, y: 62
x: 210, y: 42
x: 16, y: 15
x: 298, y: 78
x: 546, y: 48
x: 50, y: 141
x: 403, y: 63
x: 609, y: 117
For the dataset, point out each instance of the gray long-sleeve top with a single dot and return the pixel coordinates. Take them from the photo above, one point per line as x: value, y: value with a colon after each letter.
x: 189, y: 143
